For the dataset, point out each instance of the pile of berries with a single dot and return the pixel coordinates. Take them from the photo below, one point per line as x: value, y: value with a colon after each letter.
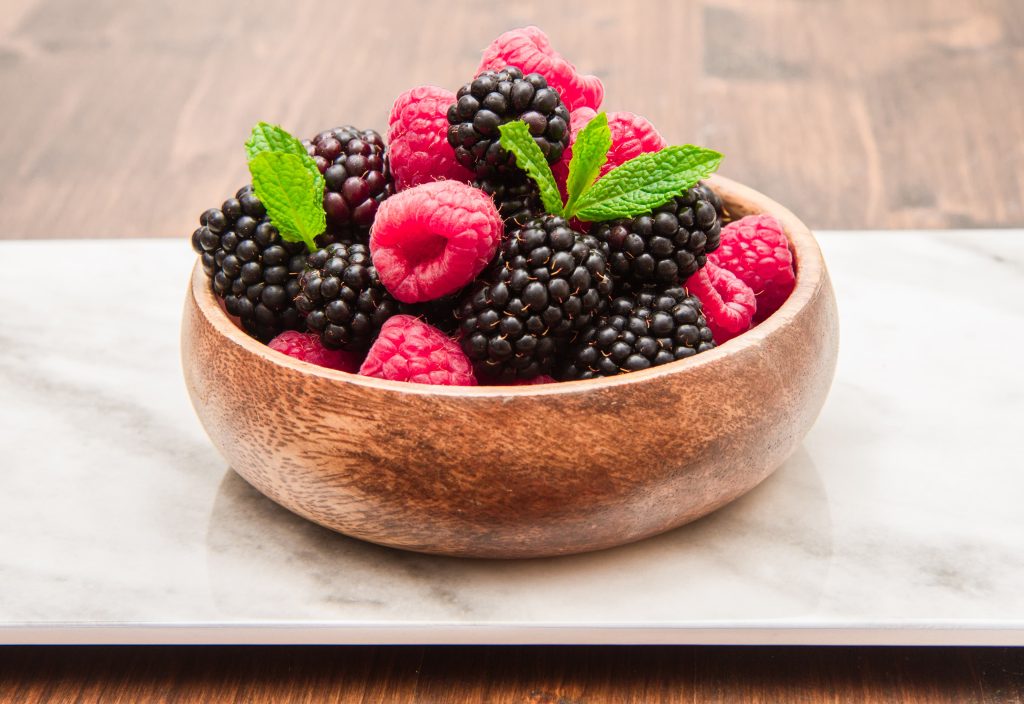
x: 463, y: 250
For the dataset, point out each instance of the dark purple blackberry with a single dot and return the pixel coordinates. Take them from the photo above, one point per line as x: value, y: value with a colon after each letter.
x: 342, y: 298
x: 665, y: 246
x: 494, y: 98
x: 342, y: 235
x: 355, y: 168
x: 516, y: 196
x: 715, y: 200
x: 250, y: 267
x: 546, y: 282
x: 440, y: 312
x: 639, y: 331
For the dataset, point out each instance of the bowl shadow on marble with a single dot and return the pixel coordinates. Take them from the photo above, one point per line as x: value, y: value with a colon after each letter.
x: 765, y: 555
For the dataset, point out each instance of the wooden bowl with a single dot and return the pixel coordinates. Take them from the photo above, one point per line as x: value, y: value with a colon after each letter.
x: 528, y: 471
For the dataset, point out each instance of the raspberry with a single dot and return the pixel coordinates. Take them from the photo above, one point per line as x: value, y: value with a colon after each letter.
x: 632, y: 136
x: 755, y: 249
x: 530, y: 49
x: 433, y: 239
x: 408, y: 349
x: 417, y: 137
x: 307, y: 347
x: 729, y: 304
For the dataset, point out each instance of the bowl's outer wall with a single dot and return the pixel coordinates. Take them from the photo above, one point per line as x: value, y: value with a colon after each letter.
x: 539, y: 470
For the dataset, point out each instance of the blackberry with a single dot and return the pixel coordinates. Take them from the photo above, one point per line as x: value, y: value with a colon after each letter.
x: 517, y: 197
x: 342, y: 298
x: 440, y: 312
x: 546, y: 282
x: 251, y: 268
x: 640, y: 331
x: 355, y: 168
x: 494, y: 98
x: 715, y: 200
x: 665, y: 246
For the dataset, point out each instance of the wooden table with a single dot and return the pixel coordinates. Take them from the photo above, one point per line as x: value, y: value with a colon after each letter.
x: 128, y: 119
x: 120, y: 120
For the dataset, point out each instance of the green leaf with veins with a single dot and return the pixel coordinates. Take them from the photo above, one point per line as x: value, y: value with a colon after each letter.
x: 645, y: 182
x: 589, y: 154
x: 516, y: 138
x: 292, y: 195
x: 272, y: 138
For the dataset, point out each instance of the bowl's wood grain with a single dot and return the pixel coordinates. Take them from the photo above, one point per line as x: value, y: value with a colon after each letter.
x: 519, y: 471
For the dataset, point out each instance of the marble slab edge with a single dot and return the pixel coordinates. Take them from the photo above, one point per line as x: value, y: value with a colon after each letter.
x: 925, y: 633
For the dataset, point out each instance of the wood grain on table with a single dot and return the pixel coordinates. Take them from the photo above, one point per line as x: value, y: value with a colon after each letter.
x: 126, y: 119
x: 507, y: 675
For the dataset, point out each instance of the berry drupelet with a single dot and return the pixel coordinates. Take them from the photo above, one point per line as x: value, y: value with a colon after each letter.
x: 439, y: 312
x: 665, y: 246
x: 251, y: 268
x: 494, y: 98
x: 715, y: 200
x: 341, y: 297
x: 516, y: 197
x: 547, y: 281
x: 357, y: 178
x: 639, y: 331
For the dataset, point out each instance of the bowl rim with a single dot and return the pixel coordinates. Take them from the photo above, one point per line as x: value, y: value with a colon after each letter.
x: 810, y: 276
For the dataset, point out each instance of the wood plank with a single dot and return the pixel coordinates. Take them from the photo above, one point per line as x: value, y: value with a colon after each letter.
x: 503, y: 675
x: 126, y: 119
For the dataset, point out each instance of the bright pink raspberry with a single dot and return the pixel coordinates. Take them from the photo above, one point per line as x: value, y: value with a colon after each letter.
x: 307, y: 347
x: 409, y: 349
x: 632, y: 136
x: 417, y: 139
x: 728, y: 303
x: 530, y: 50
x: 756, y: 249
x: 431, y: 240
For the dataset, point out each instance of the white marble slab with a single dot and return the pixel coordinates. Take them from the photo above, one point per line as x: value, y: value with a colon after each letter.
x: 901, y: 520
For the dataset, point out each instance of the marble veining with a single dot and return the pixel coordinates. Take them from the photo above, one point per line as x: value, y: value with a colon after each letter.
x: 899, y: 515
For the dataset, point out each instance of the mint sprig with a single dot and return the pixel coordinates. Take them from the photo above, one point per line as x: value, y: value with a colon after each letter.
x: 292, y: 195
x: 516, y: 138
x: 589, y: 154
x: 288, y: 183
x: 635, y: 187
x: 645, y: 182
x: 272, y: 138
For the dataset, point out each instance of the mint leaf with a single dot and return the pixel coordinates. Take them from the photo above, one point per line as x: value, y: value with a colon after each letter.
x: 589, y: 153
x: 645, y: 182
x: 272, y: 138
x: 516, y: 138
x: 292, y: 194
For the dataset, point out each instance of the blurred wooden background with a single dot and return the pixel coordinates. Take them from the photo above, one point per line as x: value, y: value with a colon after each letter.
x: 127, y: 119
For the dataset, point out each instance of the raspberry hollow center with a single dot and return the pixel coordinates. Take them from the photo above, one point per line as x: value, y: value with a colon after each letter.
x: 423, y: 247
